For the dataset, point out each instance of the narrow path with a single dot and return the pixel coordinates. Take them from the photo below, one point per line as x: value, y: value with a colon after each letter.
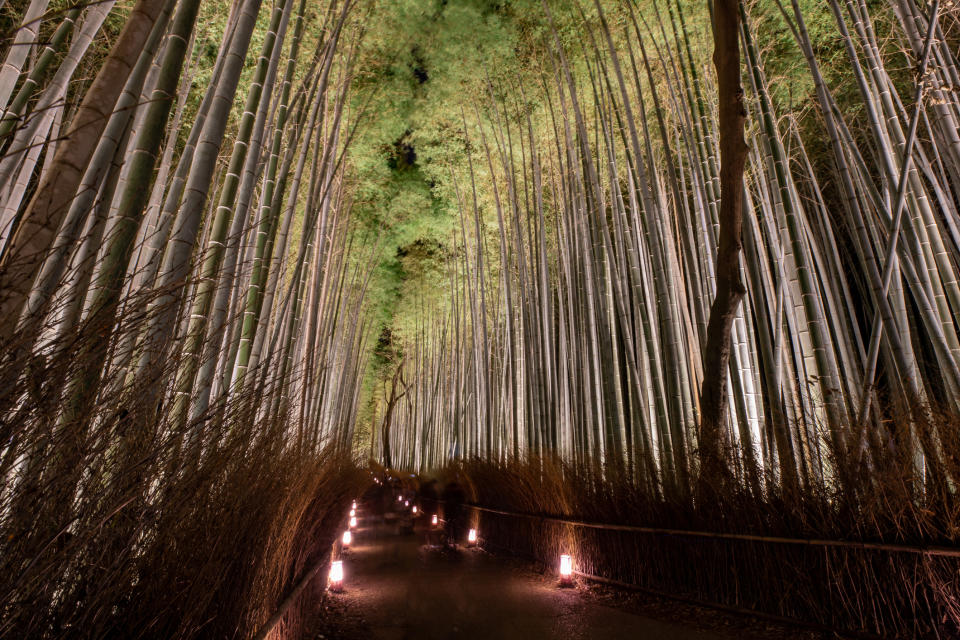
x: 399, y: 588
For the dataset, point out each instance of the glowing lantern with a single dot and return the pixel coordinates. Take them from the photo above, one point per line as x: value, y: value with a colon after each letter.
x: 399, y: 498
x: 566, y: 569
x: 414, y: 508
x: 353, y: 522
x: 347, y: 538
x: 433, y: 520
x: 472, y: 536
x: 354, y: 505
x: 406, y: 503
x: 353, y: 512
x: 336, y: 576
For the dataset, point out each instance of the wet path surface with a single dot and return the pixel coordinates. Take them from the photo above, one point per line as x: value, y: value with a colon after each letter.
x: 397, y: 588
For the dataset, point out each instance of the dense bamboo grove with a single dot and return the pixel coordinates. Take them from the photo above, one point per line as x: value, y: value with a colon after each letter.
x: 577, y: 312
x: 578, y: 282
x: 182, y: 336
x: 242, y: 243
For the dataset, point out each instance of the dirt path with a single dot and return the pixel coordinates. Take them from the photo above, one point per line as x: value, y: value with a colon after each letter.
x: 398, y: 588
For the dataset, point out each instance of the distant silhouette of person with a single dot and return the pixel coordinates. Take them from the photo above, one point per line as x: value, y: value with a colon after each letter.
x: 453, y: 512
x: 382, y: 496
x: 428, y: 496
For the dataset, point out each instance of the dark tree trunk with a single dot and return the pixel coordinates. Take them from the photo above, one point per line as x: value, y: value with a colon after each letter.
x: 387, y: 415
x: 714, y: 400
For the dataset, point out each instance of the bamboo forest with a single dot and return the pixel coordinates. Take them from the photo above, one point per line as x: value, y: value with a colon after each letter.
x: 326, y: 318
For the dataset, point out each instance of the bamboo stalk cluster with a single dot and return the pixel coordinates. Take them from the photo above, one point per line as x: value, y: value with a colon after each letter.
x: 576, y: 321
x: 182, y: 340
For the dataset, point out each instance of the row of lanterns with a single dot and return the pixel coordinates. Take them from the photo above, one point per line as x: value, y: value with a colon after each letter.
x: 335, y: 577
x: 353, y: 516
x: 435, y: 521
x: 336, y: 567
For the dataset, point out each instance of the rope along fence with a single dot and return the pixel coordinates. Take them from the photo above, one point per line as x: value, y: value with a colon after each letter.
x: 875, y: 588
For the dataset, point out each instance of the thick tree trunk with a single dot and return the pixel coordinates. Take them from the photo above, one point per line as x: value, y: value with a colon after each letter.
x: 714, y: 400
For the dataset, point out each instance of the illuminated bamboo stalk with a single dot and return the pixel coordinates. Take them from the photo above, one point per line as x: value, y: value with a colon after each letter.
x: 36, y: 232
x: 213, y: 256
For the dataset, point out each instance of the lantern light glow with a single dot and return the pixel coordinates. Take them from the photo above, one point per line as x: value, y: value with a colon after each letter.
x: 347, y: 538
x: 353, y: 522
x: 472, y: 536
x: 336, y: 575
x: 414, y: 508
x: 433, y: 520
x: 566, y: 569
x: 406, y: 503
